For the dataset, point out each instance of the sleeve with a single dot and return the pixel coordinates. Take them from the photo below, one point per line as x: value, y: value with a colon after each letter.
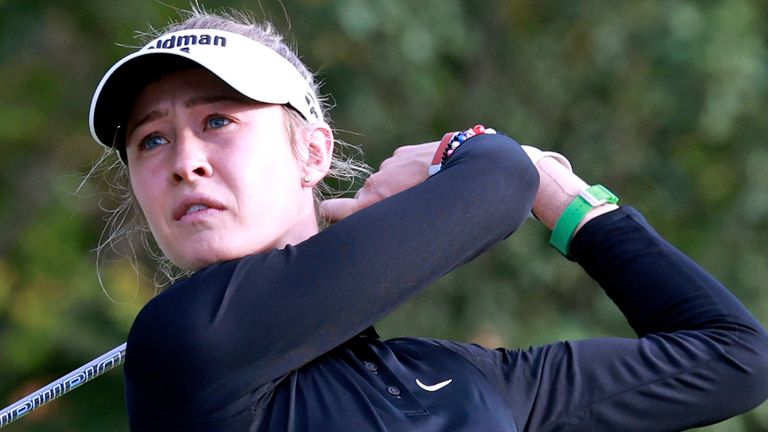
x: 238, y: 325
x: 700, y: 357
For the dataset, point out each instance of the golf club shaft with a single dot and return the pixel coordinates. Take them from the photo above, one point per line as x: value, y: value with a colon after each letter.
x: 63, y: 385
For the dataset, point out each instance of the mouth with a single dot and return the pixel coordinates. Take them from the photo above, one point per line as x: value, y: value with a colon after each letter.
x: 194, y: 206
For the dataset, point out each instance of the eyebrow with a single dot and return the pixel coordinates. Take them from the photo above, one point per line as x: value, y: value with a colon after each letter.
x: 211, y: 99
x: 189, y: 103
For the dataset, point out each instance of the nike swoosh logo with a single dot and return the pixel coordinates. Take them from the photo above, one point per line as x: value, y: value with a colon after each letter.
x: 435, y: 387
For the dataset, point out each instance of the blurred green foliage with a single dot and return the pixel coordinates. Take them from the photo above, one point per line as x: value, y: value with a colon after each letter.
x: 663, y: 101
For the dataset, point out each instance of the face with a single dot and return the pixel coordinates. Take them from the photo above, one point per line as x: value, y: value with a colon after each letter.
x: 214, y: 172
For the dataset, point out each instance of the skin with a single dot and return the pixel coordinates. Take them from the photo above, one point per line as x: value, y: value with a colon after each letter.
x: 407, y: 167
x: 558, y: 186
x: 192, y: 140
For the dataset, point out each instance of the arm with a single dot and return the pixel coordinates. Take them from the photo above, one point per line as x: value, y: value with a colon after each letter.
x: 700, y: 357
x: 255, y: 319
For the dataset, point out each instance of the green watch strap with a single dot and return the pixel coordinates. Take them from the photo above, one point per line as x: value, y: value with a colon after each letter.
x: 593, y: 196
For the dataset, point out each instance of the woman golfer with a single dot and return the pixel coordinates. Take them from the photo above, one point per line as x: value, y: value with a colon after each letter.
x: 225, y: 142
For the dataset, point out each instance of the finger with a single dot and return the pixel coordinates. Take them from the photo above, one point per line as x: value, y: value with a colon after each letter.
x: 337, y: 209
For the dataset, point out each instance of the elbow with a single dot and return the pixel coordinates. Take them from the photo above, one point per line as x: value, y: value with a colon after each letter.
x: 502, y: 161
x: 501, y: 169
x: 732, y: 382
x: 748, y: 386
x: 525, y: 172
x: 755, y: 363
x: 520, y: 179
x: 511, y: 169
x: 531, y: 176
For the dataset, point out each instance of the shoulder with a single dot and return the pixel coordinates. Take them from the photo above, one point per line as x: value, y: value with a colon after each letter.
x: 189, y: 294
x: 202, y: 297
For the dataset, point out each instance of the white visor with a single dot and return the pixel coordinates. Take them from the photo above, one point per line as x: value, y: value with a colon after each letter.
x: 249, y: 67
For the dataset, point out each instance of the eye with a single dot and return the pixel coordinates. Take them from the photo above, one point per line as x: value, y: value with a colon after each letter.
x: 217, y: 122
x: 152, y: 141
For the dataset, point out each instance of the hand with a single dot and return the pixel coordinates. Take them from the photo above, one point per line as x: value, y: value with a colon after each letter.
x: 408, y: 166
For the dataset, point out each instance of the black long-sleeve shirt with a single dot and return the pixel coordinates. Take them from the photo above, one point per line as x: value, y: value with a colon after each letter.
x: 277, y: 341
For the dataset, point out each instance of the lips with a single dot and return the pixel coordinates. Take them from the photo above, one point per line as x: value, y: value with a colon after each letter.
x: 195, y: 203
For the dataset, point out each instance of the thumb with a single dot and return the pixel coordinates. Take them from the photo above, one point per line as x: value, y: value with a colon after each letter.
x: 336, y: 209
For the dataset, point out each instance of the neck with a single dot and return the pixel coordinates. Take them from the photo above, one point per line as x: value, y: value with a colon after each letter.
x: 304, y: 228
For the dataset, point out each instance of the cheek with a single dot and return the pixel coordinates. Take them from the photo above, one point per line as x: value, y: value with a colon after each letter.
x: 273, y: 190
x: 143, y: 194
x: 271, y: 164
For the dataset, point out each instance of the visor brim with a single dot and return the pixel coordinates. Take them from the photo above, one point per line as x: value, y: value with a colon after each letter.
x: 250, y: 68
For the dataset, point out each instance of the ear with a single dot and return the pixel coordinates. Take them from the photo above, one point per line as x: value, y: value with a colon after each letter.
x: 319, y: 152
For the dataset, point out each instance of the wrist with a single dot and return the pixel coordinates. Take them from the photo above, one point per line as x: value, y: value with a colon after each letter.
x: 558, y: 186
x: 590, y: 203
x: 450, y: 142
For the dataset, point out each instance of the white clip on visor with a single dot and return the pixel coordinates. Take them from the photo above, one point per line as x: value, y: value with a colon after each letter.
x: 249, y: 67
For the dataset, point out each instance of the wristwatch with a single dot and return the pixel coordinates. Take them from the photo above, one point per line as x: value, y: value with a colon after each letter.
x: 586, y: 200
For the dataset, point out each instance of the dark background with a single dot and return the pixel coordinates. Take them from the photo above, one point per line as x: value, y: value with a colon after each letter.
x: 662, y: 101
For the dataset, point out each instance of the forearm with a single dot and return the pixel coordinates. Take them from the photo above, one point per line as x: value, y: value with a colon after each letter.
x: 625, y: 255
x: 656, y: 286
x: 700, y: 351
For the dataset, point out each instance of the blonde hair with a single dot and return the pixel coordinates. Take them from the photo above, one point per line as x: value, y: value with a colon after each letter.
x: 126, y: 228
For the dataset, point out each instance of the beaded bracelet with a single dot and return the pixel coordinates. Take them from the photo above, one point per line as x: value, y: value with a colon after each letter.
x: 450, y: 142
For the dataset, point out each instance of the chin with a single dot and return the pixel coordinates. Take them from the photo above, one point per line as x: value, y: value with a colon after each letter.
x: 206, y: 253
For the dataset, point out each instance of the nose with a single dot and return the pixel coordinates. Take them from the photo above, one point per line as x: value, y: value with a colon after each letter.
x: 191, y: 159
